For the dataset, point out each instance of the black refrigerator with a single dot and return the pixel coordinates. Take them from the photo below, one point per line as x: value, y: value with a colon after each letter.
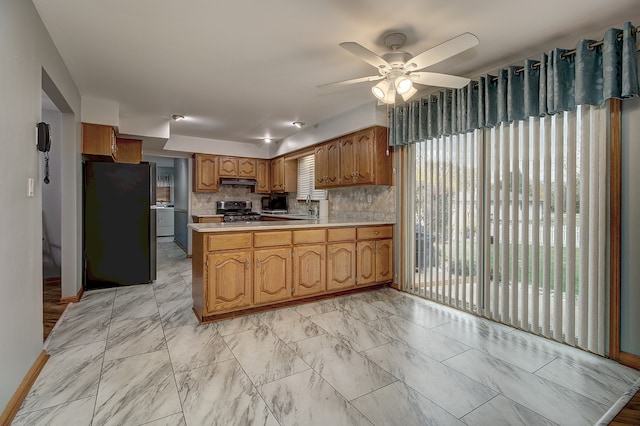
x: 119, y: 224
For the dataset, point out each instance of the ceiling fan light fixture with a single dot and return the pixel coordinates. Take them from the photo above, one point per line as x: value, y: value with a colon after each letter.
x: 380, y: 90
x: 403, y: 85
x: 267, y: 140
x: 406, y: 96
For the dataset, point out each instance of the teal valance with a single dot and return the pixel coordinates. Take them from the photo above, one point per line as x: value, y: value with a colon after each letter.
x: 561, y: 79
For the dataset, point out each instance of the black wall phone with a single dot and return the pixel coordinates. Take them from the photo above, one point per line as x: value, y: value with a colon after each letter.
x: 44, y: 145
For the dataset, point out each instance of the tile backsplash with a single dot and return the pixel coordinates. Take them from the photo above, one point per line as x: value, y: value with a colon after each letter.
x: 344, y: 203
x: 205, y: 202
x: 351, y: 203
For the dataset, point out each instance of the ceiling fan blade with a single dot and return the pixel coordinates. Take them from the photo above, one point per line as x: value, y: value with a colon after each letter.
x: 365, y: 54
x: 442, y: 51
x: 352, y: 81
x: 440, y: 80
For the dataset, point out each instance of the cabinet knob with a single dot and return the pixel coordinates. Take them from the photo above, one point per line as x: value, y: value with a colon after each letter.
x: 247, y: 263
x: 376, y: 232
x: 258, y: 263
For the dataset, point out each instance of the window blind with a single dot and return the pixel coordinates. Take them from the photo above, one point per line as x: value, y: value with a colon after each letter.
x: 510, y: 223
x: 306, y: 180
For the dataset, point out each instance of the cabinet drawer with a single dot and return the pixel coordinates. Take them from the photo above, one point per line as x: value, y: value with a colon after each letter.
x: 374, y: 232
x: 307, y: 236
x: 341, y: 234
x: 224, y: 241
x: 270, y: 239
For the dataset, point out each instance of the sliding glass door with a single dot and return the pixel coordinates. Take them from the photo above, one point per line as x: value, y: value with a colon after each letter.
x: 509, y: 223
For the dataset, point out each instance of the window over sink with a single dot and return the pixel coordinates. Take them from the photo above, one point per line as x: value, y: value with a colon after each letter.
x: 306, y: 180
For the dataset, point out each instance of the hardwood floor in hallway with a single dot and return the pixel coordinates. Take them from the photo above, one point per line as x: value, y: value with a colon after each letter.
x: 52, y: 309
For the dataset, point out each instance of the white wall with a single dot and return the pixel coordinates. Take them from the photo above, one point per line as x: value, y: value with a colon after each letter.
x: 214, y: 146
x: 630, y: 273
x: 364, y: 116
x: 52, y: 192
x: 26, y: 49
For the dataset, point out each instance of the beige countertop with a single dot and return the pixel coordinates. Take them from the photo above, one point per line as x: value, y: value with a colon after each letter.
x: 282, y: 224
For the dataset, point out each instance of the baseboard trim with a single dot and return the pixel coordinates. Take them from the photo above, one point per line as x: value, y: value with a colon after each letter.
x: 21, y: 393
x: 69, y: 299
x: 630, y: 360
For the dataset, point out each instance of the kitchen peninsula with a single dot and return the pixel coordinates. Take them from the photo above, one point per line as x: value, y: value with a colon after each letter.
x: 242, y: 268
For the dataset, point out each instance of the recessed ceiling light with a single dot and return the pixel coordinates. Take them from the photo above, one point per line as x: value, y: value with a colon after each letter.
x: 267, y: 140
x: 298, y: 124
x: 177, y: 117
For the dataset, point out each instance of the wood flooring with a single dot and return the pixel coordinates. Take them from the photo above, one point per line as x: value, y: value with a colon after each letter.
x: 51, y: 307
x: 630, y: 414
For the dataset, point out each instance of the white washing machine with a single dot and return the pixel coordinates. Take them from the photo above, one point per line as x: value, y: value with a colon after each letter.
x: 164, y: 221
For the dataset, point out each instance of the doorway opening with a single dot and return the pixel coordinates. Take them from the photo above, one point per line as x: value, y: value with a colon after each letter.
x: 51, y: 222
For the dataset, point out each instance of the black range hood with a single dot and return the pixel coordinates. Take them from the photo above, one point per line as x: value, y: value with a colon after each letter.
x: 238, y: 181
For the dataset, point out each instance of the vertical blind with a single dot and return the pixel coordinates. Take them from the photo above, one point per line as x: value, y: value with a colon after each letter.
x: 306, y: 180
x: 510, y: 223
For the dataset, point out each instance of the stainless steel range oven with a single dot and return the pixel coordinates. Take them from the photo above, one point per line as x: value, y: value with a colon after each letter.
x: 236, y: 211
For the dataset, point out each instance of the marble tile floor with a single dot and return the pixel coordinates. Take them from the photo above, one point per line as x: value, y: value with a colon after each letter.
x: 137, y: 356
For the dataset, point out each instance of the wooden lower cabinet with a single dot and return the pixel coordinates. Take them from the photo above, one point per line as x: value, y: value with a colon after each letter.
x: 273, y: 275
x: 309, y: 270
x: 366, y: 262
x: 239, y: 272
x: 228, y: 281
x: 341, y: 269
x: 375, y: 261
x: 384, y: 260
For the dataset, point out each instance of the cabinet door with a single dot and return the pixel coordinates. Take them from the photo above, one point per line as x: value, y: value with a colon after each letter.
x: 272, y: 279
x: 277, y: 174
x: 366, y: 262
x: 341, y: 267
x: 363, y: 159
x: 247, y: 167
x: 309, y: 270
x: 205, y: 173
x: 228, y: 281
x: 347, y: 155
x: 98, y: 139
x: 228, y: 167
x: 128, y: 151
x: 333, y: 163
x: 384, y: 260
x: 321, y: 165
x: 262, y: 176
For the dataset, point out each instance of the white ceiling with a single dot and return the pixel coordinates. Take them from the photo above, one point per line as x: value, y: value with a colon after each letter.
x: 245, y: 69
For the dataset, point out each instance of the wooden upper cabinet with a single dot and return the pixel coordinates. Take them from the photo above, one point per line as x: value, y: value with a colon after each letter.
x: 128, y: 151
x: 364, y: 158
x: 228, y: 166
x: 277, y: 174
x: 359, y: 158
x: 247, y: 167
x: 98, y: 139
x: 327, y: 165
x: 205, y: 173
x: 321, y: 166
x: 333, y: 163
x: 347, y: 160
x: 262, y: 176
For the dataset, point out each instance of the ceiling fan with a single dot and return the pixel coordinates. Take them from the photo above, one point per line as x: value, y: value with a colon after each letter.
x: 399, y: 70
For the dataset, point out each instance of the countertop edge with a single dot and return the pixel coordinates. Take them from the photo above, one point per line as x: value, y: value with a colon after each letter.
x: 288, y: 224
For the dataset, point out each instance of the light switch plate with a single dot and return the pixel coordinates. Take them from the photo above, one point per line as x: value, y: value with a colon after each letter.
x: 30, y: 187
